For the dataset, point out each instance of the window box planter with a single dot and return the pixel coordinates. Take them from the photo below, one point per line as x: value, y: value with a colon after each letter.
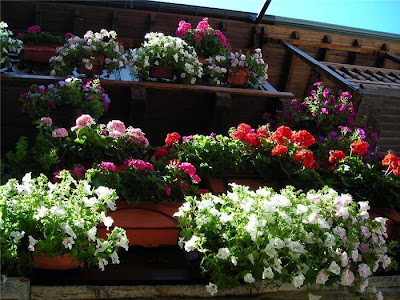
x: 240, y: 77
x: 61, y: 262
x: 147, y: 224
x: 161, y: 72
x: 39, y: 53
x: 97, y: 68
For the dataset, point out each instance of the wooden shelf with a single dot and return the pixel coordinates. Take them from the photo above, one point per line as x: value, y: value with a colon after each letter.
x: 270, y: 93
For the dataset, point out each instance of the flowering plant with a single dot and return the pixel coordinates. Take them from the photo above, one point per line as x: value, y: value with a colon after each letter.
x: 57, y: 219
x: 35, y: 35
x: 42, y: 100
x: 161, y: 50
x: 318, y: 238
x: 206, y: 40
x: 86, y: 144
x: 7, y: 44
x: 219, y: 66
x: 88, y: 50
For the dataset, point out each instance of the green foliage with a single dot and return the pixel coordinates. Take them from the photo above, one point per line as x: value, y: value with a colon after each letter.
x: 42, y: 38
x: 7, y: 45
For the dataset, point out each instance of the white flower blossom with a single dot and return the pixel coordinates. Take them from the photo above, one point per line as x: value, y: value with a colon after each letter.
x: 32, y: 243
x: 211, y: 289
x: 17, y: 235
x: 114, y: 258
x: 223, y: 253
x: 68, y: 242
x: 248, y: 278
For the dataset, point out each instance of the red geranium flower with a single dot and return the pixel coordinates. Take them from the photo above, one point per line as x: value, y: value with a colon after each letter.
x: 262, y: 132
x: 172, y: 138
x: 160, y: 152
x: 336, y: 156
x: 252, y: 139
x: 244, y: 127
x: 390, y: 160
x: 359, y: 147
x: 282, y: 133
x: 279, y: 150
x: 306, y: 157
x: 303, y: 138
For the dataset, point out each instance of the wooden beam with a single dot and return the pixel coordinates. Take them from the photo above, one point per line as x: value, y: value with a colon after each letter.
x: 296, y: 35
x: 261, y: 39
x: 114, y: 20
x: 323, y: 54
x: 354, y: 58
x: 320, y: 68
x: 290, y: 67
x: 333, y: 46
x: 38, y: 15
x: 262, y: 12
x: 150, y: 22
x: 253, y: 36
x: 392, y: 57
x: 77, y: 21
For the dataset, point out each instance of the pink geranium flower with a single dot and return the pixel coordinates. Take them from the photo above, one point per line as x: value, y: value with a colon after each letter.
x: 34, y: 29
x: 68, y: 35
x: 82, y: 122
x: 46, y: 121
x: 183, y: 28
x: 203, y: 25
x: 108, y: 166
x: 116, y: 128
x: 137, y: 136
x: 139, y: 164
x: 60, y: 132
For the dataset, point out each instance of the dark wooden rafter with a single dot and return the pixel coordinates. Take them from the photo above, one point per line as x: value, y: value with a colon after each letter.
x: 288, y: 73
x: 319, y: 67
x: 114, y: 20
x: 151, y: 22
x: 261, y: 14
x: 392, y: 57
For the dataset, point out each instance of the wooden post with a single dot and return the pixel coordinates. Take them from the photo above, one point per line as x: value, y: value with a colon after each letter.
x: 114, y: 20
x: 223, y: 105
x: 137, y: 109
x: 77, y: 21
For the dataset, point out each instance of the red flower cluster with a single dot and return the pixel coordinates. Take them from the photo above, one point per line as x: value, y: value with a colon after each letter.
x: 303, y: 138
x: 247, y: 135
x: 160, y: 152
x: 279, y: 150
x: 172, y: 138
x: 393, y: 163
x: 336, y: 156
x: 305, y: 156
x: 282, y: 133
x: 359, y: 147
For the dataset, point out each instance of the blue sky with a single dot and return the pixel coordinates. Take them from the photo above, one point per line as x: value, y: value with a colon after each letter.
x: 379, y: 15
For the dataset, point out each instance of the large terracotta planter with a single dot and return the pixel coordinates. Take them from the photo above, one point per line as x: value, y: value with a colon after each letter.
x: 202, y: 60
x: 64, y: 262
x: 161, y: 72
x: 220, y: 185
x: 97, y: 68
x: 39, y: 53
x: 241, y: 77
x: 147, y: 224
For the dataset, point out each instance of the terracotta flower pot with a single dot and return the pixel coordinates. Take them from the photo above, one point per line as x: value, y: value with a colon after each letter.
x: 97, y: 68
x: 202, y: 59
x: 241, y: 77
x: 64, y: 262
x: 39, y: 53
x: 161, y: 72
x: 147, y: 224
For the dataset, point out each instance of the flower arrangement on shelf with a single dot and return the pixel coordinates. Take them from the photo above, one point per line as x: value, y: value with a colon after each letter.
x: 57, y: 220
x: 86, y: 144
x: 237, y: 69
x: 35, y: 36
x: 206, y: 40
x: 8, y: 45
x: 87, y: 97
x: 164, y: 56
x: 89, y: 54
x: 319, y: 238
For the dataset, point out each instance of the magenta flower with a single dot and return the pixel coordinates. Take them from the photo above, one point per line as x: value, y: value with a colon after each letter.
x: 317, y: 83
x: 46, y: 121
x: 79, y: 172
x: 82, y: 122
x: 68, y: 35
x: 52, y: 103
x: 139, y: 164
x: 346, y: 95
x: 167, y: 190
x: 324, y: 111
x: 116, y: 128
x: 183, y: 28
x: 203, y: 25
x: 325, y: 93
x: 197, y: 37
x: 108, y: 166
x: 59, y: 132
x: 34, y: 29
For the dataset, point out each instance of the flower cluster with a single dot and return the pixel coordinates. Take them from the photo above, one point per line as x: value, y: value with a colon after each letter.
x: 160, y: 50
x: 42, y: 100
x: 8, y: 44
x: 35, y: 36
x: 99, y: 47
x: 220, y: 66
x: 318, y: 238
x: 204, y: 39
x: 392, y: 161
x: 57, y: 219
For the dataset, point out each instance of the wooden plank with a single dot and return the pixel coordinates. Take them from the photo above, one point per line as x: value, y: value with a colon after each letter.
x: 365, y: 75
x: 333, y: 46
x: 374, y: 69
x: 319, y: 67
x: 389, y: 77
x: 375, y: 82
x: 159, y: 86
x: 341, y: 73
x: 377, y: 76
x: 353, y: 74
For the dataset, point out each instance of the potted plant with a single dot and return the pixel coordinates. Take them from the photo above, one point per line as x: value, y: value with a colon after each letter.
x: 237, y: 69
x: 204, y: 39
x: 90, y: 54
x: 54, y: 225
x: 8, y: 46
x: 40, y: 46
x: 165, y: 56
x: 65, y: 100
x: 267, y: 238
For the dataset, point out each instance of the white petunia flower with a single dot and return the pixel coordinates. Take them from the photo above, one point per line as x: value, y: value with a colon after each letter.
x: 114, y: 258
x: 190, y: 244
x: 211, y: 289
x: 334, y: 268
x: 41, y: 212
x: 248, y: 278
x: 68, y: 230
x: 68, y: 242
x: 108, y: 221
x: 234, y: 260
x: 91, y: 233
x: 298, y: 280
x: 102, y: 192
x: 32, y: 243
x: 267, y: 273
x: 223, y: 253
x: 102, y: 263
x: 17, y: 235
x: 100, y: 246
